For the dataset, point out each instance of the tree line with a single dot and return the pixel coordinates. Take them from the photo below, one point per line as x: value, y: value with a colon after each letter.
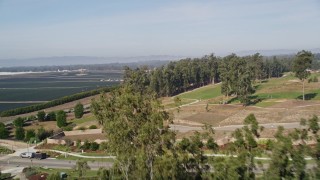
x: 236, y: 73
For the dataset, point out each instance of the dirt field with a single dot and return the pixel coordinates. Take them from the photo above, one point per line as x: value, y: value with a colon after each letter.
x: 287, y: 111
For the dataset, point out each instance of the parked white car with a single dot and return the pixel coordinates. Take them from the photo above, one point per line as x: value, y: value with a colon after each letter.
x: 27, y: 155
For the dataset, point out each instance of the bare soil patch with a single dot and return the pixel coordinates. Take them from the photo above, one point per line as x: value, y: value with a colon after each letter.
x: 288, y: 111
x: 294, y: 104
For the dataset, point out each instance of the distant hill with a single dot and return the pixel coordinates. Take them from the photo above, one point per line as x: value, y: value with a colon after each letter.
x: 74, y: 60
x: 71, y: 61
x: 275, y: 52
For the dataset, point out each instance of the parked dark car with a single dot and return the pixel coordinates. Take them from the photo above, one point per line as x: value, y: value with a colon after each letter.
x: 40, y: 155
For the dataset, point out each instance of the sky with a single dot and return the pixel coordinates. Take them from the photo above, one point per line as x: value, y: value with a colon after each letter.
x: 108, y: 28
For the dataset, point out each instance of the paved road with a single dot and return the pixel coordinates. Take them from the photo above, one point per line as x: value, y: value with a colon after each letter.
x: 16, y: 164
x: 50, y: 163
x: 184, y: 128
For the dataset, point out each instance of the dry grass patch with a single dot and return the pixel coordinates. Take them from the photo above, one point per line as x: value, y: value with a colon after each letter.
x: 47, y: 125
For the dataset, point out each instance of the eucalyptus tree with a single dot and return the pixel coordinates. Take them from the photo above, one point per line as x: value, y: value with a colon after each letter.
x: 280, y: 166
x: 133, y: 120
x: 301, y: 65
x: 256, y: 67
x: 81, y: 167
x: 246, y: 147
x: 312, y: 126
x: 225, y: 75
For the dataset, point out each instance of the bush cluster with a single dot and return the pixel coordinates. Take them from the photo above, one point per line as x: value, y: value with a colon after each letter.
x: 93, y: 146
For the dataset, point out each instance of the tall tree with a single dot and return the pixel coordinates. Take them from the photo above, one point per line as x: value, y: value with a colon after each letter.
x: 81, y: 167
x: 78, y: 110
x: 246, y: 146
x: 18, y: 122
x: 20, y: 133
x: 133, y: 120
x: 4, y: 133
x: 225, y: 75
x: 41, y: 116
x: 61, y: 118
x: 280, y: 167
x: 301, y: 65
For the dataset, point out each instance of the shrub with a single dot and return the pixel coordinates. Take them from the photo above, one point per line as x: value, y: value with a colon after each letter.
x: 5, y: 175
x: 19, y: 122
x: 86, y: 145
x: 32, y: 118
x: 82, y: 128
x: 51, y: 116
x: 94, y: 146
x: 30, y: 134
x: 34, y: 140
x: 20, y: 133
x: 61, y: 148
x: 5, y: 150
x: 61, y: 117
x: 68, y: 142
x: 43, y: 134
x: 4, y: 133
x: 67, y: 128
x: 313, y: 79
x: 78, y: 110
x: 78, y: 143
x: 41, y: 116
x: 54, y: 176
x: 93, y: 127
x: 29, y: 171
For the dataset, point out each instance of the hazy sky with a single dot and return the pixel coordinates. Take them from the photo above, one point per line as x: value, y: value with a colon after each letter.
x: 36, y: 28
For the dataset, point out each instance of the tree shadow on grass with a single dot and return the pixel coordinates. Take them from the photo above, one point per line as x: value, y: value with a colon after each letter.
x: 234, y: 99
x: 253, y: 100
x: 308, y: 96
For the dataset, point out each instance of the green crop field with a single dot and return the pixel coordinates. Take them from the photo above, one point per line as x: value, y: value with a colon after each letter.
x: 21, y: 90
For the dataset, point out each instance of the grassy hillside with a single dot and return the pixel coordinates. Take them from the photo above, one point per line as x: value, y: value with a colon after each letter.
x: 203, y: 93
x: 269, y: 91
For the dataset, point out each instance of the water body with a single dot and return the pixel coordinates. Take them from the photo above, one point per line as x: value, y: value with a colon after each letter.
x: 18, y: 73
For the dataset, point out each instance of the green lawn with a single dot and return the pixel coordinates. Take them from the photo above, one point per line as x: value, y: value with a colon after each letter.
x: 203, y: 93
